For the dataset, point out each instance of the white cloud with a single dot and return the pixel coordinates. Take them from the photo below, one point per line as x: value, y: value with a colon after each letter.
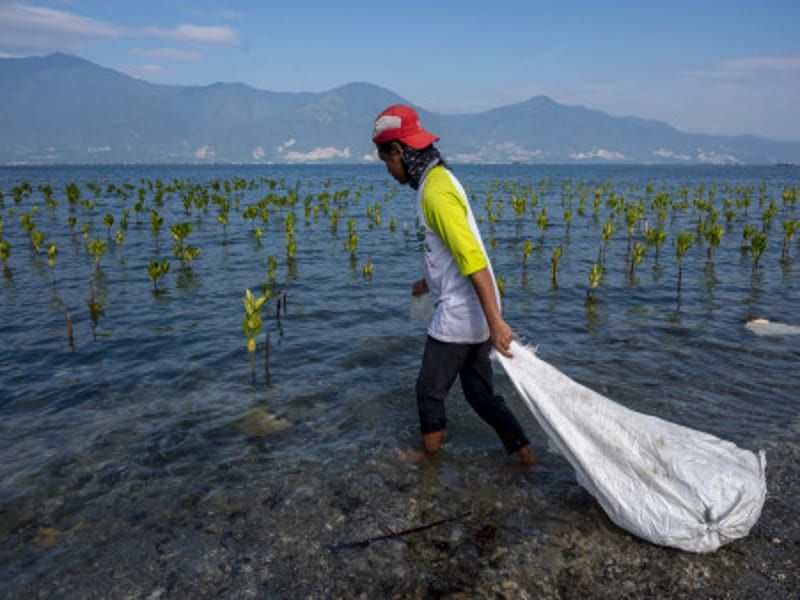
x: 285, y: 145
x: 98, y: 149
x: 27, y: 27
x: 664, y: 153
x: 197, y: 34
x: 205, y: 153
x: 370, y: 156
x: 167, y: 54
x: 717, y: 158
x: 258, y: 153
x: 601, y: 153
x: 326, y: 153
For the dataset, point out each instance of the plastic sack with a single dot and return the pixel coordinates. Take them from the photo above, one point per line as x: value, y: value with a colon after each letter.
x: 663, y: 482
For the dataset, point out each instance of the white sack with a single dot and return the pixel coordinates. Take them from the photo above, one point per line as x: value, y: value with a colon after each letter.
x: 668, y: 484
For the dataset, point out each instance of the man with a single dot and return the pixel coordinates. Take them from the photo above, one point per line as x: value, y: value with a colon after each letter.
x: 467, y: 320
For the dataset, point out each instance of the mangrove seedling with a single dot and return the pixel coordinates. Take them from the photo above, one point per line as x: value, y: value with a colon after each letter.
x: 527, y: 250
x: 683, y: 242
x: 120, y: 236
x: 37, y: 240
x: 605, y: 236
x: 789, y: 229
x: 156, y: 270
x: 108, y: 221
x: 366, y: 270
x: 501, y: 285
x: 272, y: 269
x: 5, y: 254
x: 96, y: 248
x: 595, y: 277
x: 713, y: 235
x: 156, y: 222
x: 52, y: 251
x: 179, y: 233
x: 748, y: 231
x: 637, y: 256
x: 188, y: 254
x: 655, y: 237
x: 96, y: 310
x: 757, y: 247
x: 555, y: 259
x: 252, y: 325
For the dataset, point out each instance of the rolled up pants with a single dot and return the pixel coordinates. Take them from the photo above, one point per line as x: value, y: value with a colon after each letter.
x: 441, y: 363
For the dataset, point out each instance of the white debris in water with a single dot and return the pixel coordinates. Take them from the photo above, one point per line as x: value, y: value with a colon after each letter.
x: 767, y: 328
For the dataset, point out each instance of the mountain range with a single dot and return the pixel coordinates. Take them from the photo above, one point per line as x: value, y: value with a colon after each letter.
x: 63, y: 109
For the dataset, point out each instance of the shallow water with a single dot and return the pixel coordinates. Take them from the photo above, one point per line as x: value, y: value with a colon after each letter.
x: 161, y: 404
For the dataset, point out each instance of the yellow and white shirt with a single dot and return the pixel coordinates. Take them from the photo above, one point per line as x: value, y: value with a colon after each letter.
x: 452, y: 250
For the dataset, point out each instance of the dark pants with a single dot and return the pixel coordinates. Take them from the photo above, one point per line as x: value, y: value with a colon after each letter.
x: 441, y: 363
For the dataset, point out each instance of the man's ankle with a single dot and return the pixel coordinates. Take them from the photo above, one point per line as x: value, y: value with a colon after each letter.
x: 433, y: 441
x: 525, y: 455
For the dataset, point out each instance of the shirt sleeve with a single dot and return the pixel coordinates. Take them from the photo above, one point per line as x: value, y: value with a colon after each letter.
x: 446, y: 214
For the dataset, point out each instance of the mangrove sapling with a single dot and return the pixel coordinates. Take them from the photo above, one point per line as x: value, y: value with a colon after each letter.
x: 767, y: 216
x: 52, y: 252
x: 272, y: 269
x: 501, y: 285
x: 252, y: 325
x: 713, y: 236
x: 96, y: 248
x: 366, y: 270
x: 555, y: 259
x: 156, y: 270
x: 527, y: 250
x: 96, y: 310
x: 542, y: 223
x: 5, y: 254
x: 757, y: 247
x: 37, y: 240
x: 108, y: 221
x: 637, y: 255
x: 595, y: 278
x: 748, y: 231
x: 156, y: 222
x: 605, y: 236
x: 683, y: 242
x: 655, y: 237
x: 789, y: 229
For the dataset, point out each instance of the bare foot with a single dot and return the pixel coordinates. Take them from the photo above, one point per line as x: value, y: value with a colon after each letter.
x: 525, y: 455
x: 415, y: 457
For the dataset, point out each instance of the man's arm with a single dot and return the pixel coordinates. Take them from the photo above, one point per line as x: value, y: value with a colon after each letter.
x: 499, y: 330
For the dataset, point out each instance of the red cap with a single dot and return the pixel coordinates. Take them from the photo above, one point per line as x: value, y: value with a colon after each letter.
x: 401, y: 123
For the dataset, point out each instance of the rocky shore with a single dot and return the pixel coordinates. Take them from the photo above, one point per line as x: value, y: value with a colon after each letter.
x: 511, y: 532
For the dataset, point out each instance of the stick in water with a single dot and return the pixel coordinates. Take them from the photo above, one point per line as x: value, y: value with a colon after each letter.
x: 396, y: 534
x: 70, y: 339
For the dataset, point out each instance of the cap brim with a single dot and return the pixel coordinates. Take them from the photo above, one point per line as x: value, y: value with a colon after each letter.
x: 420, y: 140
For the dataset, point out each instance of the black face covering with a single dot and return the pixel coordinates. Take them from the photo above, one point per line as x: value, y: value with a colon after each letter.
x: 416, y: 161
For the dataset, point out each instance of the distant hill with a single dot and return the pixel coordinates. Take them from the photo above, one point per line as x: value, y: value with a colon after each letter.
x: 60, y: 108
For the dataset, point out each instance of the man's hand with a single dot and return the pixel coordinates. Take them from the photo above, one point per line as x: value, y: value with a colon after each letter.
x: 419, y: 287
x: 501, y: 335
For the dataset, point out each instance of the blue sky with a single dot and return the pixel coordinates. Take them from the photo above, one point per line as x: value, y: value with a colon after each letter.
x: 703, y: 66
